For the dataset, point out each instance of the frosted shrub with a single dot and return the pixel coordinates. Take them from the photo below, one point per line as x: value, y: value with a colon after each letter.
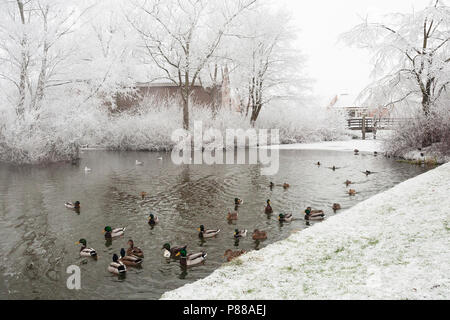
x: 421, y: 132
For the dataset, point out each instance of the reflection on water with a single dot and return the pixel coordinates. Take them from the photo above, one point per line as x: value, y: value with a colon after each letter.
x: 38, y: 232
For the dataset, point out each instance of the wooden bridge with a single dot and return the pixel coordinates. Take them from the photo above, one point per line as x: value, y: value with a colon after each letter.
x: 371, y: 123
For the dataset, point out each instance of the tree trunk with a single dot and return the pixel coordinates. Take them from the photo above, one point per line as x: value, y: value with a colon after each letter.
x: 23, y: 66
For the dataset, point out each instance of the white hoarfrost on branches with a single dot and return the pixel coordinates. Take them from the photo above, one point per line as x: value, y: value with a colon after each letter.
x: 391, y: 246
x: 64, y: 66
x: 411, y: 53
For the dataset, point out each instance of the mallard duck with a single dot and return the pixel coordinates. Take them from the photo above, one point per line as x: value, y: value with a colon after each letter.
x: 336, y: 206
x: 143, y: 195
x: 271, y: 185
x: 72, y: 205
x: 318, y: 163
x: 238, y: 201
x: 286, y: 185
x: 192, y: 258
x: 352, y: 192
x: 134, y: 251
x: 268, y: 208
x: 232, y: 216
x: 117, y: 267
x: 259, y: 235
x: 313, y: 214
x: 152, y: 220
x: 347, y: 182
x: 285, y: 217
x: 230, y: 254
x: 139, y: 163
x: 127, y: 260
x: 367, y: 172
x: 240, y: 233
x: 171, y: 252
x: 85, y: 251
x: 113, y: 233
x: 207, y: 233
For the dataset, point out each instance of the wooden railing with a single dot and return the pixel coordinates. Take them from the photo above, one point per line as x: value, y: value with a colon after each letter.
x: 371, y: 123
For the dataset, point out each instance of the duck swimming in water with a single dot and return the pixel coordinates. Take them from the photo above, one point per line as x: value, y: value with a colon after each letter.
x: 352, y: 192
x: 238, y: 201
x: 239, y: 233
x: 139, y: 163
x: 232, y: 216
x: 313, y: 214
x: 207, y: 233
x: 113, y: 233
x: 143, y: 195
x: 85, y: 251
x: 74, y: 205
x: 285, y: 217
x: 152, y: 220
x: 117, y: 267
x: 268, y: 208
x: 230, y: 254
x: 131, y: 261
x: 191, y: 259
x: 333, y: 168
x: 347, y: 182
x: 271, y: 185
x: 171, y: 252
x: 336, y: 206
x: 134, y: 251
x: 318, y: 163
x: 259, y: 235
x: 286, y: 185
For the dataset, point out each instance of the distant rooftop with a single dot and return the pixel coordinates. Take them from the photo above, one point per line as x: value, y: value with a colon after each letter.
x: 344, y: 100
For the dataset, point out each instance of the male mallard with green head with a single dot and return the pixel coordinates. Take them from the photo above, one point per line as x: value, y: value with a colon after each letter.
x: 85, y: 251
x: 116, y: 266
x: 285, y: 217
x: 113, y: 233
x: 207, y: 233
x: 152, y: 220
x: 191, y: 259
x: 171, y: 252
x: 240, y: 233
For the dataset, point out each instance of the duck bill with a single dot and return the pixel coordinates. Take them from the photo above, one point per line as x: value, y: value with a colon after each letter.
x: 78, y: 242
x: 198, y: 229
x: 178, y: 253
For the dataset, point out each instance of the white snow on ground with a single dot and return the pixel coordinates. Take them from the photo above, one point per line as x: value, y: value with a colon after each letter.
x: 348, y: 145
x: 395, y: 245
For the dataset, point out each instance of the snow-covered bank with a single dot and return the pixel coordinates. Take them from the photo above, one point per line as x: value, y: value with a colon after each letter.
x: 347, y: 145
x: 395, y: 245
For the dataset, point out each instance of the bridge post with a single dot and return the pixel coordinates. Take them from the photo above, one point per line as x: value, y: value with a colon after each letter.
x: 363, y: 127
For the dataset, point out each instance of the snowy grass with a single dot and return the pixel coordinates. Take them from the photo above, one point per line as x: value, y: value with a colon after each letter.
x: 394, y: 245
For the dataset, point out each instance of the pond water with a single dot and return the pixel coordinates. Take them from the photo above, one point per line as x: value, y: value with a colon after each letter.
x: 39, y: 233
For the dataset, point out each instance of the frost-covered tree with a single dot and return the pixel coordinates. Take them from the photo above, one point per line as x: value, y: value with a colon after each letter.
x: 411, y: 53
x: 263, y: 61
x: 180, y: 37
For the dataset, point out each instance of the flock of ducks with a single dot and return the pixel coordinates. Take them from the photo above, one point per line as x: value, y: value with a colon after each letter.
x: 134, y: 256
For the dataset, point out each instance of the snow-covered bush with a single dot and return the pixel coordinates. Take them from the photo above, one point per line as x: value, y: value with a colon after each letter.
x: 428, y: 134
